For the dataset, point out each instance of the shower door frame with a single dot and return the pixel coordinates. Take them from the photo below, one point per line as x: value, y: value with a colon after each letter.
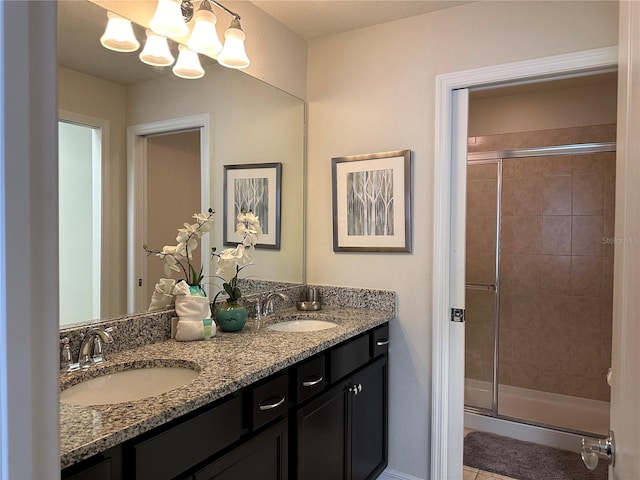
x: 497, y: 157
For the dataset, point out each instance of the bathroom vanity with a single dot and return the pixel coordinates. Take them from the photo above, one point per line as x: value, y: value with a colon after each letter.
x: 265, y: 405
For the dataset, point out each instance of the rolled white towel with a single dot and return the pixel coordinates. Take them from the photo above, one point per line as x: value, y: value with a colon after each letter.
x: 162, y: 296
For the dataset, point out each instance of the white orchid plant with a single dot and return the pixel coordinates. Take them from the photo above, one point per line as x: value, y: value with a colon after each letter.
x: 233, y: 260
x: 179, y: 257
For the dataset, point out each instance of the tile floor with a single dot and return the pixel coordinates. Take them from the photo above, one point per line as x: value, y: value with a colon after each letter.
x: 475, y: 474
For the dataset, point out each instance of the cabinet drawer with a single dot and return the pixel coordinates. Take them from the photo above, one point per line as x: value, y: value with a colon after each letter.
x: 269, y: 401
x: 380, y: 341
x: 348, y: 357
x: 176, y: 450
x: 310, y: 378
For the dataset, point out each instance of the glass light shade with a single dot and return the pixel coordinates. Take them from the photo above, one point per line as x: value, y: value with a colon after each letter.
x: 188, y: 64
x: 118, y: 35
x: 204, y: 37
x: 233, y: 54
x: 156, y: 51
x: 167, y: 20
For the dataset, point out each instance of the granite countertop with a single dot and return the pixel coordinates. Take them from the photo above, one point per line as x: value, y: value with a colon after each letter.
x: 227, y: 362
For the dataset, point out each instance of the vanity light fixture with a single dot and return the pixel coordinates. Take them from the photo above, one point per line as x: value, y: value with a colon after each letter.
x: 188, y: 64
x: 233, y: 54
x: 119, y: 36
x: 170, y: 20
x: 167, y: 20
x: 204, y: 37
x: 156, y: 51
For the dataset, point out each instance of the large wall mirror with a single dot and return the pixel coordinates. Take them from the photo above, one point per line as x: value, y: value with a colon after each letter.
x: 118, y: 101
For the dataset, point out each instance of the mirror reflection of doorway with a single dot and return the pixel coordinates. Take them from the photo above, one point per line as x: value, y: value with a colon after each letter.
x: 80, y: 221
x: 172, y: 196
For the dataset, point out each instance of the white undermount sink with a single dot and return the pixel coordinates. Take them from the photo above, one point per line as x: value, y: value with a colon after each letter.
x: 127, y: 386
x: 302, y: 324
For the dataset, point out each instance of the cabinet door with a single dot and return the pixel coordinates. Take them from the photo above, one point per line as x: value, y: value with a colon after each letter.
x: 321, y: 436
x: 368, y: 422
x: 264, y: 457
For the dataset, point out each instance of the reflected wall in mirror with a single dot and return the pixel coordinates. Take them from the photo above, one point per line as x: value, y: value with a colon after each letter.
x: 250, y: 122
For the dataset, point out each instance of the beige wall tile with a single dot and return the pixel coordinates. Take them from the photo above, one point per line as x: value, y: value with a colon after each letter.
x: 587, y: 314
x: 558, y: 165
x: 526, y: 199
x: 483, y: 171
x: 586, y: 276
x: 556, y: 235
x: 586, y: 235
x: 521, y: 234
x: 556, y: 274
x: 556, y: 314
x: 557, y: 195
x: 482, y: 197
x: 588, y: 194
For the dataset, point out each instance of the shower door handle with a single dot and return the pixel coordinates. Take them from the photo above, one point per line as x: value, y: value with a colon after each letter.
x: 480, y: 286
x: 595, y: 448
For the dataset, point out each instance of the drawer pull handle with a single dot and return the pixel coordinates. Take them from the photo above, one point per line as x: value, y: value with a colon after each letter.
x: 311, y: 383
x: 269, y: 406
x: 382, y: 343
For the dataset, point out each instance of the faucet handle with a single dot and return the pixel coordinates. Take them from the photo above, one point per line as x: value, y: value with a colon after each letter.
x: 66, y: 362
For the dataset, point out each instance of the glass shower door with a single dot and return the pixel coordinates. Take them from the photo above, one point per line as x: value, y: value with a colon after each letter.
x: 481, y: 293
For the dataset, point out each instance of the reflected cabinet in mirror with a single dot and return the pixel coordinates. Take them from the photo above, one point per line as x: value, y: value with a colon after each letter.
x: 142, y: 150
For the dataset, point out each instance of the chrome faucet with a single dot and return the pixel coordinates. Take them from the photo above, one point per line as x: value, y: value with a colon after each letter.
x: 95, y: 337
x: 266, y: 307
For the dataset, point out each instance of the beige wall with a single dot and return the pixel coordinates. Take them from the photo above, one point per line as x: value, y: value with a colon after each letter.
x: 251, y: 122
x: 541, y: 110
x: 373, y: 90
x: 94, y: 97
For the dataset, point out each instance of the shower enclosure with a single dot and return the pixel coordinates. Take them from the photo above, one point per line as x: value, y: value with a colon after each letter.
x: 539, y: 286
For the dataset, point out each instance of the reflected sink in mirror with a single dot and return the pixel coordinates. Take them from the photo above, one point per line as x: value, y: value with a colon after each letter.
x: 302, y: 323
x: 127, y: 385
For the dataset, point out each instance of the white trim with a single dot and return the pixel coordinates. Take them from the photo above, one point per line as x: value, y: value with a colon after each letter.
x: 29, y: 351
x: 103, y: 126
x: 566, y: 65
x: 389, y: 474
x: 136, y: 164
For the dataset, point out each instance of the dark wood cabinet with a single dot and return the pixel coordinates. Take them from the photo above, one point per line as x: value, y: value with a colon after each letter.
x: 343, y: 433
x: 103, y: 466
x: 368, y: 426
x: 321, y: 440
x: 264, y: 457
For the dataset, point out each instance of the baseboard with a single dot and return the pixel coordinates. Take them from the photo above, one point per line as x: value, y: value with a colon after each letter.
x: 389, y: 474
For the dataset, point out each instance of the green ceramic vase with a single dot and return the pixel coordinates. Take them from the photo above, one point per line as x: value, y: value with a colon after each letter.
x: 231, y: 316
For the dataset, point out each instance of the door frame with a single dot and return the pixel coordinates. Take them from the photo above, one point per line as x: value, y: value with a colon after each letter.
x: 447, y: 393
x: 136, y: 179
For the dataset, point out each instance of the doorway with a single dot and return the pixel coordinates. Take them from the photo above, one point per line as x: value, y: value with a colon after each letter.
x: 449, y: 240
x: 195, y: 128
x: 172, y: 196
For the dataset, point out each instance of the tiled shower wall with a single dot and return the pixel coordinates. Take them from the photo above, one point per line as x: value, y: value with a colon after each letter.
x: 556, y: 269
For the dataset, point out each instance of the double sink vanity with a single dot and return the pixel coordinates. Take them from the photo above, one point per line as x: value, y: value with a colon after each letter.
x: 295, y: 395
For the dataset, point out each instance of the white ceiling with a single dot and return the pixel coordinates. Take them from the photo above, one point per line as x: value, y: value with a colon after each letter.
x: 319, y: 18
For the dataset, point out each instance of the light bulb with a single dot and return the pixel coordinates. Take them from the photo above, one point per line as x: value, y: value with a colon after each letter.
x: 118, y: 35
x: 156, y: 51
x: 204, y: 37
x: 167, y: 20
x: 233, y: 54
x: 188, y: 64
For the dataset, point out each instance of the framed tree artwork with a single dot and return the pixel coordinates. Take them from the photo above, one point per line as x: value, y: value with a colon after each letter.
x: 255, y: 187
x: 372, y: 202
